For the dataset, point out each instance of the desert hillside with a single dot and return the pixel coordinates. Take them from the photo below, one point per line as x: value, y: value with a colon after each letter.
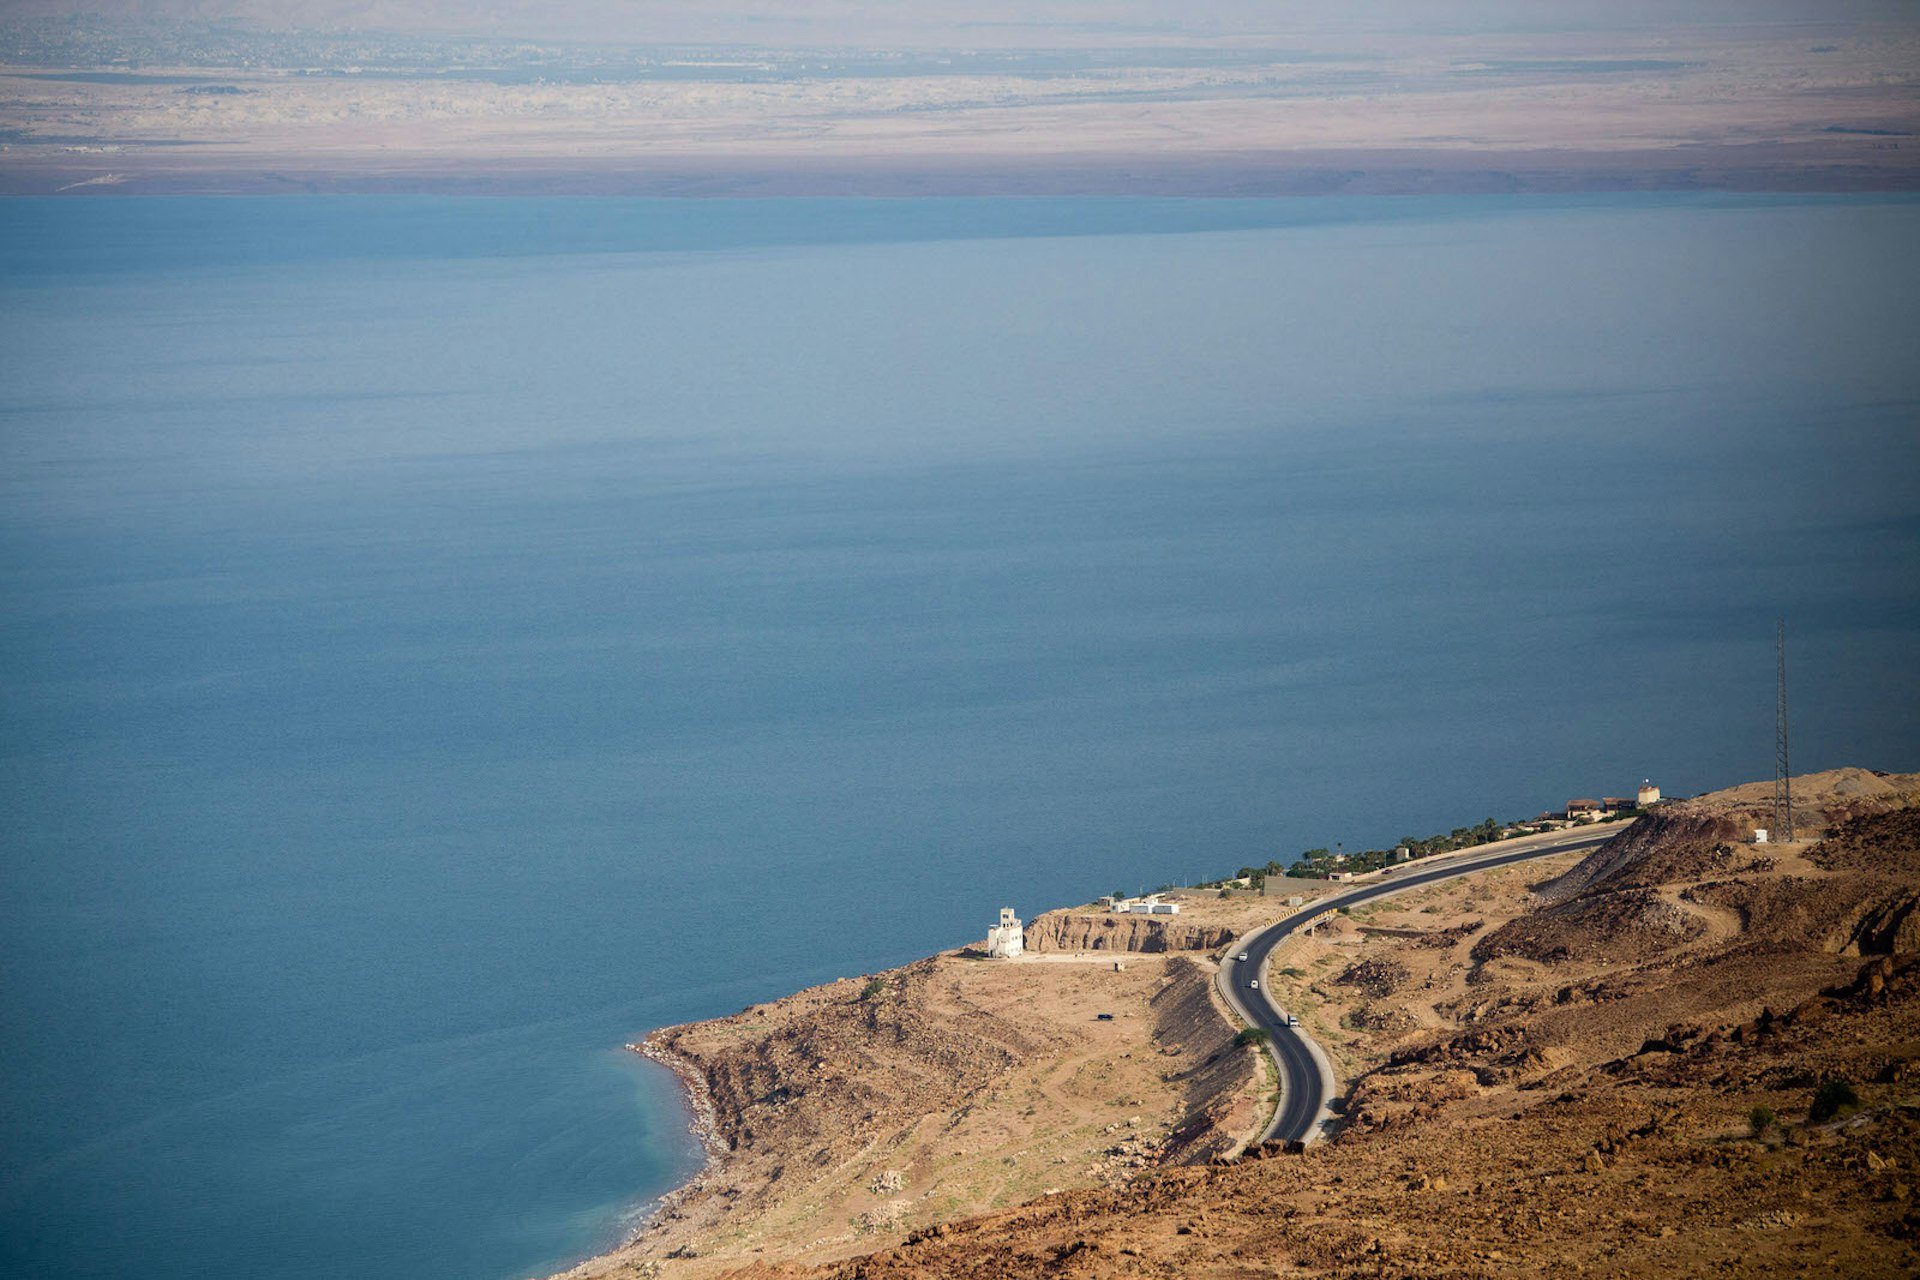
x: 1683, y: 1055
x: 849, y: 1115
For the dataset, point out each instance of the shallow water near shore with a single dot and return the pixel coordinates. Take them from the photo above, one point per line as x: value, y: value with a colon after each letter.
x: 445, y: 639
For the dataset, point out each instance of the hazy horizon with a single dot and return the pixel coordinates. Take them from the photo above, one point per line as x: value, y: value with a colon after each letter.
x: 981, y: 23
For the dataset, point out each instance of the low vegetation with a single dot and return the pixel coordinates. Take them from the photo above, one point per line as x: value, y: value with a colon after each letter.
x: 1833, y: 1100
x: 1321, y: 864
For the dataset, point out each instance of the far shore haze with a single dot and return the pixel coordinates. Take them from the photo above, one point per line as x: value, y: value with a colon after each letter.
x: 1810, y: 106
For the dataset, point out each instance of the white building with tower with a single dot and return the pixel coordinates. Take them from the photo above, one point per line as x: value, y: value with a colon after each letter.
x: 1648, y: 796
x: 1008, y: 938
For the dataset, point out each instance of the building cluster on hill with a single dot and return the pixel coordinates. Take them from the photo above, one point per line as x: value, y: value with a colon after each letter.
x: 1149, y: 905
x: 1322, y: 864
x: 1601, y: 810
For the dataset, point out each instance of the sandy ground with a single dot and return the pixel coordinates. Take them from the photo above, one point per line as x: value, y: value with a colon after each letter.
x: 847, y: 1120
x: 1361, y: 983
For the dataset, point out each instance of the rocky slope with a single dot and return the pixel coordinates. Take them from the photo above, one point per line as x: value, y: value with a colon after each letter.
x: 1190, y: 1025
x: 1677, y: 874
x: 1687, y: 1069
x: 849, y: 1115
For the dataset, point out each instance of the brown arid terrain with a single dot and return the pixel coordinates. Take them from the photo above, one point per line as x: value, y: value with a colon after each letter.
x: 1683, y: 1054
x: 851, y: 1114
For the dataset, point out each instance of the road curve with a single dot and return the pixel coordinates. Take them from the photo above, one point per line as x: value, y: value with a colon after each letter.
x: 1306, y: 1079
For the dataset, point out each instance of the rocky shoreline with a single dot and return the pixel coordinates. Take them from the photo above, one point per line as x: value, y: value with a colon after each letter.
x: 702, y: 1124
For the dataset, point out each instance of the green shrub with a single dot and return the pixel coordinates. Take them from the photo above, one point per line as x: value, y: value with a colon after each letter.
x: 1833, y: 1099
x: 1252, y: 1035
x: 1760, y: 1119
x: 873, y: 988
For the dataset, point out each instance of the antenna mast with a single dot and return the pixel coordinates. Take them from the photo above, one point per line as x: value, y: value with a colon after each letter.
x: 1782, y: 781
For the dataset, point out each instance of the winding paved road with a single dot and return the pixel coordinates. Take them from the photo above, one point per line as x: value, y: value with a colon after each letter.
x: 1306, y: 1079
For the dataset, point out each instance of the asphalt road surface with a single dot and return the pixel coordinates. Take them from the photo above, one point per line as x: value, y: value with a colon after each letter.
x: 1302, y: 1089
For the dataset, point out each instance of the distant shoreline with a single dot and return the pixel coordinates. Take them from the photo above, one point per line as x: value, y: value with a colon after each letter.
x: 1846, y: 166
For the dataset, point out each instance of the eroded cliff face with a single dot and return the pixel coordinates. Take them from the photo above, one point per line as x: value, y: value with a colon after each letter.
x: 1104, y: 931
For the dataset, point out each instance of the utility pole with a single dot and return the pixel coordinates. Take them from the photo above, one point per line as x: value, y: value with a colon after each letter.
x: 1782, y: 776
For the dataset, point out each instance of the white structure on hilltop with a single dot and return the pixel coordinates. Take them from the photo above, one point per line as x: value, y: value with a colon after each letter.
x: 1008, y: 938
x: 1648, y: 797
x: 1147, y: 906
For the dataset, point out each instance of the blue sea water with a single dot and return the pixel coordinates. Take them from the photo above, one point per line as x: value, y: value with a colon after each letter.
x: 441, y: 640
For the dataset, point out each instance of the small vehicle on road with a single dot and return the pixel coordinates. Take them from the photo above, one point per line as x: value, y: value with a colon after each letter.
x: 1242, y: 957
x: 1292, y: 1021
x: 1254, y: 985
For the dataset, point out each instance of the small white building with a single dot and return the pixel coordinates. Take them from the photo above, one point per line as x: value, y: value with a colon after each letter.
x: 1147, y: 906
x: 1648, y: 795
x: 1008, y: 938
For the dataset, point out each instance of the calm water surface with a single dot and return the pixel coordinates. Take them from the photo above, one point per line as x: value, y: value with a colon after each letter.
x: 442, y: 640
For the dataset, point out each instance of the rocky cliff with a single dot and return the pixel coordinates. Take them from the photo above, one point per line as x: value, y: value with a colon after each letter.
x: 1080, y: 930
